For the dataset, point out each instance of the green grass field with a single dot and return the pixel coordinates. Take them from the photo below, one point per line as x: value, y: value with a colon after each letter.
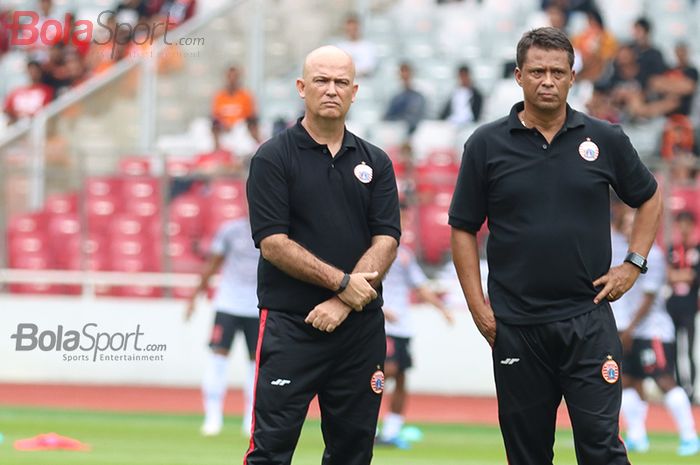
x: 159, y: 439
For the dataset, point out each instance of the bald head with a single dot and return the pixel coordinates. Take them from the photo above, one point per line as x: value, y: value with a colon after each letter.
x: 328, y: 84
x: 328, y: 56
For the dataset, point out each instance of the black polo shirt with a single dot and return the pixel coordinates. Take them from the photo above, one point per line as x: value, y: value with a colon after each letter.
x: 548, y: 210
x: 331, y: 206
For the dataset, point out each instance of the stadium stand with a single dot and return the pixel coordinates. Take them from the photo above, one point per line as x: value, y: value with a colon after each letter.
x: 122, y: 189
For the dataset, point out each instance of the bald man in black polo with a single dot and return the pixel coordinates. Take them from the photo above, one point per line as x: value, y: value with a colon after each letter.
x: 324, y: 211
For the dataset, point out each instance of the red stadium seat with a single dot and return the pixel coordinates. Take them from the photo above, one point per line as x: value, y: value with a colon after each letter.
x: 219, y: 212
x: 139, y: 188
x: 34, y: 261
x: 102, y: 186
x: 437, y: 172
x: 135, y: 165
x: 60, y: 204
x: 228, y: 189
x: 187, y: 213
x: 434, y: 232
x: 33, y: 243
x: 148, y: 209
x: 25, y: 223
x: 64, y: 237
x: 133, y: 264
x: 176, y: 167
x: 128, y: 225
x: 100, y: 211
x: 183, y: 260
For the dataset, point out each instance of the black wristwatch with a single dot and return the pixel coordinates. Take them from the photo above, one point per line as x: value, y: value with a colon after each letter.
x: 343, y: 283
x: 637, y: 260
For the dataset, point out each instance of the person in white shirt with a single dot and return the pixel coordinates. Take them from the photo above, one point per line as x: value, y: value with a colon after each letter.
x: 647, y: 335
x: 363, y: 52
x: 236, y: 305
x: 404, y: 276
x: 465, y: 103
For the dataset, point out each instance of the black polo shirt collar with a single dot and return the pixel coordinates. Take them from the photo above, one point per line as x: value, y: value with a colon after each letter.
x: 303, y: 139
x: 574, y: 118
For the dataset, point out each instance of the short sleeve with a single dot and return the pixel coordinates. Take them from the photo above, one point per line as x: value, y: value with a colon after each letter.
x: 383, y: 217
x: 632, y: 182
x: 268, y: 198
x: 469, y: 201
x: 653, y: 281
x: 219, y: 245
x: 416, y: 276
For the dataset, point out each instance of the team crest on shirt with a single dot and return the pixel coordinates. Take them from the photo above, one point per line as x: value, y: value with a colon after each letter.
x: 376, y: 382
x: 610, y: 371
x: 363, y: 172
x: 588, y: 150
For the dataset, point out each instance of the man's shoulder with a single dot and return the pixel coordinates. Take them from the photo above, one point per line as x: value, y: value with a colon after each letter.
x: 495, y: 128
x: 600, y: 126
x: 275, y: 148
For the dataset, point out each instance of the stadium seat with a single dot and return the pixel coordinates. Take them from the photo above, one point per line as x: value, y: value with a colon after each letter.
x: 100, y: 211
x: 25, y: 223
x: 187, y: 213
x: 58, y: 204
x: 139, y: 188
x: 220, y: 211
x: 133, y: 264
x: 34, y: 261
x: 148, y: 209
x: 102, y: 186
x: 63, y: 232
x: 28, y: 244
x: 228, y: 189
x: 135, y: 165
x: 434, y: 232
x: 127, y: 225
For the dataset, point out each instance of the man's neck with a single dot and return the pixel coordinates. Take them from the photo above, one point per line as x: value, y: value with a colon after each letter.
x: 543, y: 121
x: 324, y: 131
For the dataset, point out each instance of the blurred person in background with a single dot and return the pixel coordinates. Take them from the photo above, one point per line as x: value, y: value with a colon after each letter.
x: 465, y: 103
x: 26, y: 101
x: 404, y: 276
x: 362, y: 51
x: 600, y: 104
x: 682, y: 305
x: 408, y: 105
x: 232, y: 104
x: 236, y: 307
x: 649, y: 58
x: 647, y: 336
x: 597, y: 47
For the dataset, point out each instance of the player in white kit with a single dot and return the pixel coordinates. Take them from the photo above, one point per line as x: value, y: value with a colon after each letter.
x: 236, y: 305
x: 647, y: 335
x: 404, y: 276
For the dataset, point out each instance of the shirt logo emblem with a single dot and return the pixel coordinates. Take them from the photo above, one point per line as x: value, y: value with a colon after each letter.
x: 376, y: 382
x: 588, y: 150
x: 363, y: 173
x: 610, y: 371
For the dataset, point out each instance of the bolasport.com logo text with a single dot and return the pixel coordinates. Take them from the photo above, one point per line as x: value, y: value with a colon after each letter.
x: 27, y: 28
x: 88, y: 343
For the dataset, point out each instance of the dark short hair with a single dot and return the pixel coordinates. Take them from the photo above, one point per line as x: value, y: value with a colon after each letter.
x: 464, y: 69
x: 597, y: 17
x: 547, y: 38
x: 33, y: 64
x: 685, y: 215
x: 644, y: 24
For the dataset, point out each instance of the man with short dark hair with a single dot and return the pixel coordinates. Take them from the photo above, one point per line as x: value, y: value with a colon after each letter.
x: 409, y: 104
x: 542, y: 178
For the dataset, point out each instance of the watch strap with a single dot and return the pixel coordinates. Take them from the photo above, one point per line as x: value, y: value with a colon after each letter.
x: 637, y: 260
x: 343, y: 283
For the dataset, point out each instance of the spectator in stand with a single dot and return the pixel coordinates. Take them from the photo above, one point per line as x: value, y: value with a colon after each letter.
x: 679, y: 82
x: 25, y: 101
x: 232, y: 104
x: 176, y: 11
x: 363, y: 52
x: 600, y: 105
x: 682, y: 305
x: 54, y: 69
x: 650, y: 60
x: 464, y: 106
x: 219, y: 161
x: 409, y: 104
x: 597, y: 47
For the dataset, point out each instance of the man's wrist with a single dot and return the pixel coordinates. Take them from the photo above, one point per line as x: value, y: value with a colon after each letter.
x: 343, y: 283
